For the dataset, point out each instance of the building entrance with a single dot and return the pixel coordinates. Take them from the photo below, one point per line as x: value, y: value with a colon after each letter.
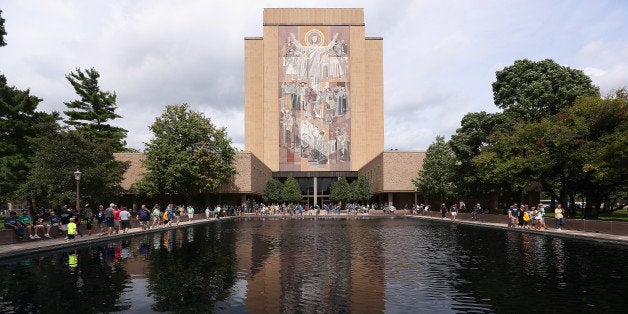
x: 315, y: 186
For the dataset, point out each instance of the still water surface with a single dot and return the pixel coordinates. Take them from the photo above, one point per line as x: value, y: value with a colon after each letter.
x: 323, y: 265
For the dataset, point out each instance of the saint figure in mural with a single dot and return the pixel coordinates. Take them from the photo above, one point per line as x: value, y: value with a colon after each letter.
x: 314, y: 52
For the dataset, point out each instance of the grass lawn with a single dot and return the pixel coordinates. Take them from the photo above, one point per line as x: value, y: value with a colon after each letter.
x: 620, y: 215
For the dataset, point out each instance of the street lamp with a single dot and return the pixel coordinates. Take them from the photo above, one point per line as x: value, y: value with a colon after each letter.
x: 77, y: 176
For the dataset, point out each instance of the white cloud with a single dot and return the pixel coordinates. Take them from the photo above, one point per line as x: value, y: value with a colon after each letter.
x: 440, y: 57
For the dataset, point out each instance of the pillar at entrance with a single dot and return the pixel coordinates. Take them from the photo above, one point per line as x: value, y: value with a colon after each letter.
x: 315, y: 191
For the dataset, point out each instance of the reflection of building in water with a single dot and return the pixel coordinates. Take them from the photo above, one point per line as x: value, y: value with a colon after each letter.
x: 290, y: 262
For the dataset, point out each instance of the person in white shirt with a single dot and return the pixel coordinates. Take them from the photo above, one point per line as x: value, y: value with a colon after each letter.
x: 125, y: 224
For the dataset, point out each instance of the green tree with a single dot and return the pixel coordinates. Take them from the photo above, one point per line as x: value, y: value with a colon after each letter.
x: 340, y: 191
x: 273, y: 191
x: 531, y: 90
x: 470, y: 139
x: 528, y: 153
x: 580, y: 151
x: 19, y: 121
x: 56, y: 157
x: 291, y: 191
x: 360, y: 190
x: 436, y: 180
x: 2, y: 31
x: 596, y: 132
x: 187, y: 155
x: 90, y: 115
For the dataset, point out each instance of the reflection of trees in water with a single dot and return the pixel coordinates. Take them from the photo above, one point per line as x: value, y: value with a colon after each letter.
x: 193, y: 276
x: 48, y: 284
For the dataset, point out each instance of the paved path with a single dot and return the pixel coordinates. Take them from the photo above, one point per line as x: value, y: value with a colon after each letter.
x: 47, y: 245
x: 595, y: 236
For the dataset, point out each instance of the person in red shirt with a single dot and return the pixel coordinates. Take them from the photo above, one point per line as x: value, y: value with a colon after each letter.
x: 116, y: 218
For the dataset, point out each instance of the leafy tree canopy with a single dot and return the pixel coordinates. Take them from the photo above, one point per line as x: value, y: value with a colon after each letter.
x: 436, y: 180
x: 360, y: 190
x: 533, y: 90
x: 583, y: 147
x: 470, y: 139
x: 340, y: 191
x: 291, y: 191
x: 19, y: 121
x: 95, y: 108
x: 187, y: 155
x: 56, y: 157
x: 273, y: 191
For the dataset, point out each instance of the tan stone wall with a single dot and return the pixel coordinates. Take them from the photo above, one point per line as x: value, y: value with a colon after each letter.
x: 254, y: 95
x: 251, y: 173
x: 393, y: 171
x: 366, y: 86
x: 325, y: 16
x: 271, y: 107
x: 251, y: 176
x: 400, y: 168
x: 357, y: 100
x: 135, y: 171
x: 374, y: 102
x: 374, y: 172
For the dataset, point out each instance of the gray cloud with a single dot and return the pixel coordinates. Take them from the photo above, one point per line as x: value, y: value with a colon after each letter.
x: 440, y: 57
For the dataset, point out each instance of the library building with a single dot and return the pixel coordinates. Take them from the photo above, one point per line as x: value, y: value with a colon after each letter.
x: 314, y: 111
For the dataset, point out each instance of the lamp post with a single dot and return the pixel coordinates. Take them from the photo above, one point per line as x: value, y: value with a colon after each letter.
x: 77, y: 176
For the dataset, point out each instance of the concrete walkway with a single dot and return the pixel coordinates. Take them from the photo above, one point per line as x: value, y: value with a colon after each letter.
x: 550, y: 231
x: 47, y: 245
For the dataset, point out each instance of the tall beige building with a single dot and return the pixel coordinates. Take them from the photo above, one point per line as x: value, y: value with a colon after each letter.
x: 314, y: 95
x: 314, y: 91
x: 314, y: 110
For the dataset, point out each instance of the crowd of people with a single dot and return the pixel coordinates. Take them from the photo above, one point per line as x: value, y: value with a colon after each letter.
x: 70, y: 223
x: 533, y: 217
x: 523, y: 216
x: 306, y: 209
x: 115, y: 219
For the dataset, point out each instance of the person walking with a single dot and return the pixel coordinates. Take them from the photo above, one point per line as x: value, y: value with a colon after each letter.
x: 454, y: 212
x: 443, y: 210
x: 190, y: 213
x: 116, y: 218
x: 109, y: 219
x: 100, y: 219
x: 64, y: 217
x: 156, y: 216
x: 125, y: 222
x: 89, y: 220
x: 559, y: 215
x: 144, y: 217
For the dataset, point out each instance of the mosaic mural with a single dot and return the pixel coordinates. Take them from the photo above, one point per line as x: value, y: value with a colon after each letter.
x: 314, y: 102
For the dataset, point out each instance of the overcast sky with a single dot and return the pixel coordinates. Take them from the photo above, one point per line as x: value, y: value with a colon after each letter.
x: 440, y: 56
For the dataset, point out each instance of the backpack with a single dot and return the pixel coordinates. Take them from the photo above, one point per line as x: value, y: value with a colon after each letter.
x: 165, y: 216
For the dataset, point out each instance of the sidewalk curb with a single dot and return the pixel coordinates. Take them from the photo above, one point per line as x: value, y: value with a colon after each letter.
x: 570, y: 234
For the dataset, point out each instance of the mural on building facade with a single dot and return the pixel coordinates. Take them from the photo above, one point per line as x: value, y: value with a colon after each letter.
x: 314, y: 102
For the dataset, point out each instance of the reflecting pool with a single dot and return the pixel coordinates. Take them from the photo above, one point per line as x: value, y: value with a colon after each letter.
x: 392, y: 265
